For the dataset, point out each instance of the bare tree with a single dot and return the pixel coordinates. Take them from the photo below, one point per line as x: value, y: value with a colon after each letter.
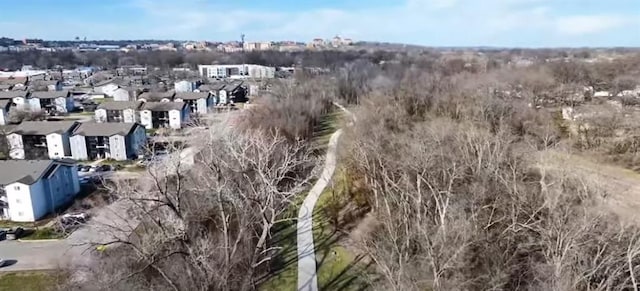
x: 206, y: 225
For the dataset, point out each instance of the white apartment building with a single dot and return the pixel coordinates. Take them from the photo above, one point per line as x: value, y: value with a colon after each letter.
x: 257, y: 46
x: 164, y: 115
x: 118, y: 111
x: 118, y: 141
x: 237, y: 71
x: 29, y: 190
x: 37, y: 140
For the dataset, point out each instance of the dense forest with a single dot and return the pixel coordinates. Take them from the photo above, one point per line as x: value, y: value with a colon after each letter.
x: 326, y: 58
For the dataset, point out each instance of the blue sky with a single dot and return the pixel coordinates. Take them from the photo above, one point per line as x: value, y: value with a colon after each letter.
x: 509, y: 23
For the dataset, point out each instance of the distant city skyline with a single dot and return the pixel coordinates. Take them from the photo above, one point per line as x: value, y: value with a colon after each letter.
x: 497, y: 23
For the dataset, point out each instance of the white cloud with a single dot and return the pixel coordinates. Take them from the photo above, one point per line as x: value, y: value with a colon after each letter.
x: 589, y: 24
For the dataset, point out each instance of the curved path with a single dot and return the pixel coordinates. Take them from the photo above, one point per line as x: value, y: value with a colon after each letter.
x: 307, y: 273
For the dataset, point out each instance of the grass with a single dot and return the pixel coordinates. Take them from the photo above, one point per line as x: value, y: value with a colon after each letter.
x: 329, y: 124
x: 151, y: 131
x: 337, y: 268
x: 102, y: 100
x: 135, y: 168
x: 118, y: 163
x: 44, y: 233
x: 12, y: 224
x: 28, y: 281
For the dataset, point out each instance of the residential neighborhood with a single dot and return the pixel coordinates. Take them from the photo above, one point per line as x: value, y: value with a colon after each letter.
x: 64, y: 129
x: 203, y: 145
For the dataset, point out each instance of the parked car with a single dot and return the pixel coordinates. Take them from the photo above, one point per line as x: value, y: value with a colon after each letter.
x: 15, y: 233
x: 3, y: 235
x: 90, y: 180
x: 74, y: 219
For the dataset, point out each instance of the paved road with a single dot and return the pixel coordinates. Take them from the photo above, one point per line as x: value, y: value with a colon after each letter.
x: 106, y: 224
x: 307, y: 276
x: 40, y: 255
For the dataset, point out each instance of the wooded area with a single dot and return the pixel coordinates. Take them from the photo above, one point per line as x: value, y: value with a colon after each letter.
x: 448, y: 155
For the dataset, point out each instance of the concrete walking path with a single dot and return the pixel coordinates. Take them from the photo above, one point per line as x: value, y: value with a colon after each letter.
x: 307, y: 276
x: 307, y: 273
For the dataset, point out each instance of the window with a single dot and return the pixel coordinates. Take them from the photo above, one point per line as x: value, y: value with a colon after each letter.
x: 18, y: 201
x: 17, y: 188
x: 20, y: 213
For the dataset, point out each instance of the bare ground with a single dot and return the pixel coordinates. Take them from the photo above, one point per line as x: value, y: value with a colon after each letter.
x: 619, y: 187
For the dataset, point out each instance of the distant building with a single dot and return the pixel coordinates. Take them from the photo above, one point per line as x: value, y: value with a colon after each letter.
x: 29, y: 190
x: 236, y: 71
x: 186, y: 86
x: 107, y: 88
x: 164, y: 115
x: 22, y: 100
x: 34, y: 140
x: 157, y: 96
x: 257, y: 46
x: 122, y: 94
x: 197, y: 102
x: 118, y: 111
x: 118, y: 141
x: 54, y: 101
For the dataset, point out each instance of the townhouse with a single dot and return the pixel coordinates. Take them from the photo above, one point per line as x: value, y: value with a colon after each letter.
x: 164, y: 115
x: 118, y: 111
x: 45, y: 85
x: 232, y: 93
x: 21, y: 99
x: 157, y: 96
x: 35, y: 140
x: 29, y: 190
x: 225, y: 93
x: 197, y: 102
x: 118, y: 141
x: 53, y: 101
x: 186, y: 85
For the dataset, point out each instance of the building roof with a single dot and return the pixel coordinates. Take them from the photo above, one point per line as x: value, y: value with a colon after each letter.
x: 232, y: 86
x: 49, y: 94
x: 192, y: 95
x: 119, y: 81
x: 163, y: 106
x: 44, y: 127
x: 26, y: 172
x: 45, y: 82
x: 13, y: 81
x: 13, y: 94
x: 120, y: 105
x: 105, y: 129
x: 156, y: 96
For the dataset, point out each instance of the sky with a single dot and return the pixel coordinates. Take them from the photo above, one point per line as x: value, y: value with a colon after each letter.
x: 499, y: 23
